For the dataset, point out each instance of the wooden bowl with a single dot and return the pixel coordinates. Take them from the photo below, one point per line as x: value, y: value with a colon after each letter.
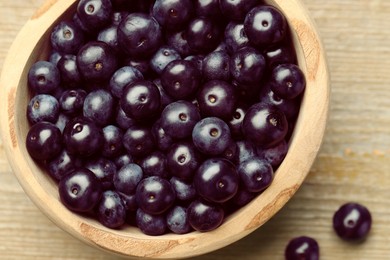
x: 32, y: 44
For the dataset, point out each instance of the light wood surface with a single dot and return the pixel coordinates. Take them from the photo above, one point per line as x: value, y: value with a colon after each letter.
x: 352, y: 165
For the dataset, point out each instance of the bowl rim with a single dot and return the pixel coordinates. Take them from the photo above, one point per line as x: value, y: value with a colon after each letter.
x: 303, y: 148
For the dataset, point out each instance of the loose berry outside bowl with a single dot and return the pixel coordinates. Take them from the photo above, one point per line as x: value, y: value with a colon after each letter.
x: 32, y: 44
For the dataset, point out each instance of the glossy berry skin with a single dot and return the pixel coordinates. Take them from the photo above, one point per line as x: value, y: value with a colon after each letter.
x: 245, y: 150
x: 43, y: 107
x: 80, y: 190
x: 235, y: 37
x: 155, y: 195
x: 99, y: 106
x: 96, y: 61
x: 236, y: 119
x: 113, y: 141
x: 155, y: 164
x: 182, y: 160
x: 302, y: 248
x: 352, y: 222
x: 138, y: 141
x: 280, y: 54
x: 264, y: 125
x: 61, y: 164
x: 111, y: 210
x: 216, y: 98
x: 247, y: 66
x: 178, y: 41
x: 94, y: 14
x: 290, y: 107
x: 179, y: 118
x: 104, y: 169
x: 216, y: 180
x: 211, y: 136
x: 121, y: 78
x: 162, y: 58
x: 208, y: 8
x: 139, y: 35
x: 204, y: 216
x: 203, y: 35
x: 149, y: 224
x: 255, y: 174
x: 141, y: 100
x: 44, y: 141
x: 180, y: 79
x: 287, y: 81
x: 265, y: 25
x: 82, y: 137
x: 70, y: 74
x: 236, y: 10
x: 216, y: 65
x: 122, y: 120
x: 160, y: 137
x: 43, y: 78
x: 109, y: 35
x: 165, y: 98
x: 127, y: 178
x: 177, y: 220
x: 173, y: 14
x: 67, y: 37
x: 185, y: 190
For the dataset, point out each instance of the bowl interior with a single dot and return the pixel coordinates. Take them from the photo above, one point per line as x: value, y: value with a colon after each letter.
x: 129, y: 241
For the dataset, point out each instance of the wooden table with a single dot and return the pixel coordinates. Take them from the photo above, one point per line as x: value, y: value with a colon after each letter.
x: 353, y: 165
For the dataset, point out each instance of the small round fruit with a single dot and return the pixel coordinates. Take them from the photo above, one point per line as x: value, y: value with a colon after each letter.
x: 83, y: 137
x: 96, y: 61
x: 80, y: 190
x: 179, y: 118
x: 99, y: 106
x: 127, y: 178
x: 44, y: 141
x: 265, y: 25
x: 216, y: 98
x: 287, y: 81
x: 141, y: 100
x: 302, y: 248
x: 180, y: 79
x: 111, y: 210
x: 216, y: 180
x: 204, y: 216
x: 177, y: 220
x: 138, y: 141
x: 155, y: 195
x: 211, y: 136
x: 264, y: 125
x: 43, y: 107
x: 139, y: 35
x: 203, y: 35
x: 173, y: 14
x: 352, y: 222
x: 152, y: 225
x: 94, y: 14
x: 44, y: 78
x: 255, y: 174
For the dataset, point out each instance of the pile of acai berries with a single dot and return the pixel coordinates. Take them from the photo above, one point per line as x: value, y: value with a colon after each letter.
x: 167, y: 115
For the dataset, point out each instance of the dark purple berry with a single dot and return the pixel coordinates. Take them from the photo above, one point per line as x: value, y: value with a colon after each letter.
x: 127, y: 178
x: 94, y: 15
x: 44, y: 141
x: 177, y: 220
x: 352, y: 222
x: 265, y: 25
x: 43, y: 107
x: 302, y: 248
x: 141, y: 100
x: 204, y: 216
x: 152, y: 225
x: 139, y: 35
x: 203, y: 35
x: 264, y: 125
x: 287, y: 81
x: 216, y: 180
x: 44, y: 78
x: 173, y: 14
x: 80, y: 190
x: 255, y: 174
x: 111, y: 210
x: 155, y: 195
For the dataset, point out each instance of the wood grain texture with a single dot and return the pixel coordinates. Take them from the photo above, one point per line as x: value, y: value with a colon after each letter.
x: 353, y: 164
